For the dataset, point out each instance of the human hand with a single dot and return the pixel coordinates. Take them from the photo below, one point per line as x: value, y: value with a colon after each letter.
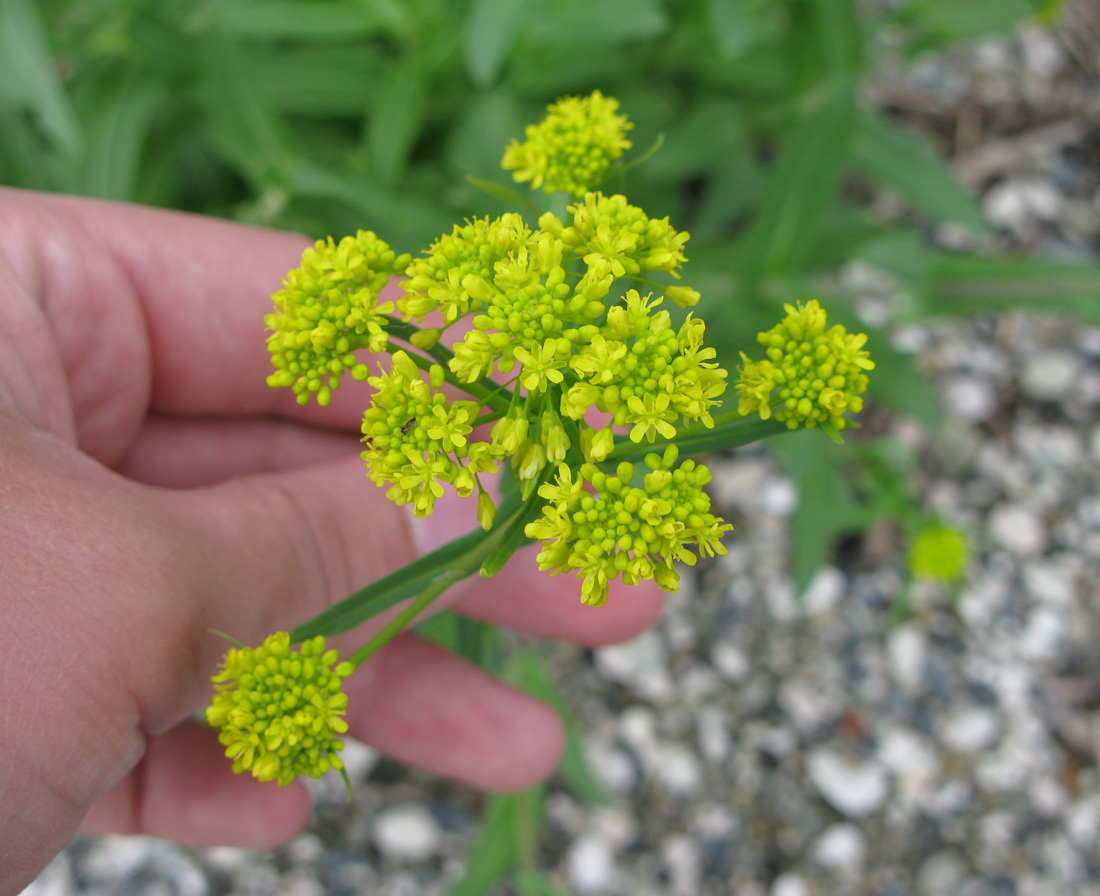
x: 152, y: 487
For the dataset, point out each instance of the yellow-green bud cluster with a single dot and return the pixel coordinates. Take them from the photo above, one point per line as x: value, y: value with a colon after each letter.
x: 608, y: 229
x: 457, y: 262
x: 812, y: 376
x: 417, y: 440
x: 279, y: 709
x: 940, y: 553
x: 541, y: 315
x: 603, y: 527
x: 328, y: 309
x: 570, y: 150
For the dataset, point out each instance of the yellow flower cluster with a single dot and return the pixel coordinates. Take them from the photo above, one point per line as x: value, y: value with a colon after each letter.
x: 940, y: 553
x: 327, y: 310
x: 615, y: 529
x: 280, y: 709
x: 416, y: 440
x: 812, y: 376
x: 543, y: 322
x: 571, y: 149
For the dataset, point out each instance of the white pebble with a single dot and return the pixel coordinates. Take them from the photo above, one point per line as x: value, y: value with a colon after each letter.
x: 971, y: 730
x: 677, y: 769
x: 406, y: 833
x: 825, y: 590
x: 591, y: 865
x: 789, y: 884
x: 778, y: 496
x: 841, y: 848
x: 968, y: 398
x: 1043, y: 636
x: 855, y: 788
x: 1017, y: 529
x: 1050, y: 375
x: 731, y: 661
x: 906, y: 649
x: 640, y: 664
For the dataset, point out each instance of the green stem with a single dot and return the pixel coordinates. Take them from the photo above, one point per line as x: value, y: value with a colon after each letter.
x: 493, y: 395
x: 399, y: 622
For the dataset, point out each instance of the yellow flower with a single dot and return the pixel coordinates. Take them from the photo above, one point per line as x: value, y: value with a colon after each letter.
x: 279, y: 709
x: 571, y: 148
x: 328, y: 309
x: 940, y: 553
x: 812, y: 376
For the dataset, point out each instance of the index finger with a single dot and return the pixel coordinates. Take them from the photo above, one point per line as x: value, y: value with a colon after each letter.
x: 204, y: 286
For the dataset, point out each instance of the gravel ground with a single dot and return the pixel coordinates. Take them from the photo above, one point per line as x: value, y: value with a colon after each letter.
x: 761, y: 747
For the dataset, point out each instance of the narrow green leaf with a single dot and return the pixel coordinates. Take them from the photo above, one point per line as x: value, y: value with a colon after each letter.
x: 826, y: 506
x: 905, y: 163
x: 118, y: 111
x: 937, y: 24
x: 397, y: 115
x: 699, y: 439
x: 442, y: 567
x: 490, y: 31
x: 800, y: 186
x: 584, y: 23
x: 304, y: 20
x: 494, y: 852
x: 515, y: 538
x: 535, y: 883
x: 28, y: 76
x: 528, y: 671
x: 500, y: 191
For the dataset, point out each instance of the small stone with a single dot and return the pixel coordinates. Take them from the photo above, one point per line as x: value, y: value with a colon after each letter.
x: 591, y: 865
x: 969, y: 398
x: 971, y: 730
x: 941, y: 874
x: 683, y: 860
x: 1050, y: 375
x: 677, y: 769
x: 731, y: 661
x: 841, y: 848
x: 641, y: 664
x: 778, y: 496
x: 406, y: 833
x: 855, y: 788
x: 1017, y: 529
x: 613, y: 766
x: 907, y: 650
x: 789, y: 884
x: 825, y: 590
x: 1043, y: 635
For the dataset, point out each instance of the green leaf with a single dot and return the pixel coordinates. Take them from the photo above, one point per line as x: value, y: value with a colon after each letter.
x: 494, y: 853
x: 510, y: 828
x: 826, y: 506
x: 937, y: 24
x: 699, y: 439
x: 905, y: 163
x: 397, y: 115
x: 527, y: 670
x: 490, y: 31
x: 515, y: 537
x: 119, y: 110
x: 28, y: 76
x: 507, y: 194
x: 470, y: 638
x: 304, y: 20
x: 441, y: 568
x: 584, y: 23
x: 959, y: 284
x: 535, y: 883
x: 800, y: 186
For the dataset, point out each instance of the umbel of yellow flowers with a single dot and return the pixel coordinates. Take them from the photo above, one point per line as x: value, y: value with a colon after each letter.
x: 280, y: 708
